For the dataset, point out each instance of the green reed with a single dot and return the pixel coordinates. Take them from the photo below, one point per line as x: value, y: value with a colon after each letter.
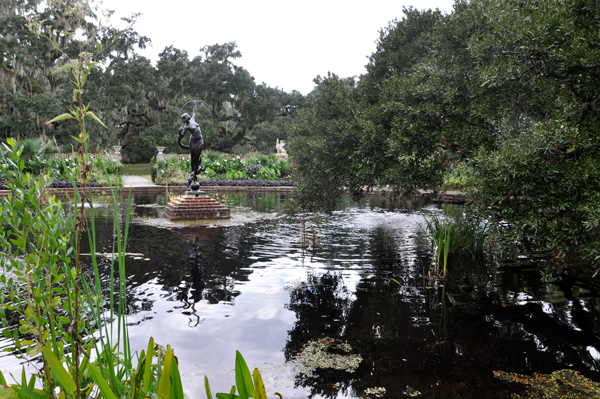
x: 451, y: 233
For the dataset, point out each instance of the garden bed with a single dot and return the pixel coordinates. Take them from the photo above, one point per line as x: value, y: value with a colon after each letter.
x: 240, y: 183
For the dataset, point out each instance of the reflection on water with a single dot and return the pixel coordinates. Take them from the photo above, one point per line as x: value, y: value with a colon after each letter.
x: 250, y: 284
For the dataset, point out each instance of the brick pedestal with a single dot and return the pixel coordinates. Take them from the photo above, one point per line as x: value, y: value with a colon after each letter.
x: 194, y: 207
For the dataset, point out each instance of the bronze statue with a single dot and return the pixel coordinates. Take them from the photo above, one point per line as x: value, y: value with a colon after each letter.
x: 195, y: 147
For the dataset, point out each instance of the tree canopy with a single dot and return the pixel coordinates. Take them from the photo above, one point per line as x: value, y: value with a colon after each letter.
x: 138, y: 101
x: 509, y: 87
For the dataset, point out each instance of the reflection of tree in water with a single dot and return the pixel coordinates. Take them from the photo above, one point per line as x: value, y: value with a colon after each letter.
x: 326, y: 308
x: 164, y: 261
x: 321, y: 305
x: 226, y: 254
x: 444, y: 342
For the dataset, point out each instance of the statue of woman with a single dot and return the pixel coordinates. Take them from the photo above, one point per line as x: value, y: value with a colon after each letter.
x: 195, y: 147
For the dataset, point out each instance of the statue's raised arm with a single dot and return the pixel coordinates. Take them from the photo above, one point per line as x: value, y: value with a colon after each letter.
x: 183, y: 130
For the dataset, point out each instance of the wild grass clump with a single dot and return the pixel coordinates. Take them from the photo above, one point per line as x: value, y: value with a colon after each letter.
x: 454, y: 232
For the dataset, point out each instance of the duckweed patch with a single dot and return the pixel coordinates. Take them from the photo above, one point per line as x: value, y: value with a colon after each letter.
x: 326, y: 353
x: 561, y: 384
x: 411, y: 392
x: 377, y: 391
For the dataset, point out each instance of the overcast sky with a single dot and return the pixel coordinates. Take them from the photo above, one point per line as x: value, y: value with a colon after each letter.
x: 284, y: 44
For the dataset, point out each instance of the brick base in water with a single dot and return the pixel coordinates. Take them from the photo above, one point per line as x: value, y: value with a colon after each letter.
x: 194, y: 207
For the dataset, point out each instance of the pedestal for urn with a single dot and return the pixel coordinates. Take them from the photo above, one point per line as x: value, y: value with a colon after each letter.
x: 196, y: 205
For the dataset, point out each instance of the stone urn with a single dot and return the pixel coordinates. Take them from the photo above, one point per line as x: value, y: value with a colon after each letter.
x: 160, y: 150
x: 117, y: 149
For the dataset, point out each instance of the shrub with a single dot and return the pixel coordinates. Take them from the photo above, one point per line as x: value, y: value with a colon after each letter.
x: 221, y: 166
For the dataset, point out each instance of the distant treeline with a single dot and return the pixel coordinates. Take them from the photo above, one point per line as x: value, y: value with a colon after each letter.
x: 140, y: 103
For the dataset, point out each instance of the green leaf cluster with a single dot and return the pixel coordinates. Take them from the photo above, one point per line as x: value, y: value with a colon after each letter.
x: 246, y: 385
x: 221, y: 166
x: 506, y: 89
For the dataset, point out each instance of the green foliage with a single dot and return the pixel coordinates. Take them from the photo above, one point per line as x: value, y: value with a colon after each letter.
x: 324, y: 143
x: 59, y: 312
x: 105, y: 171
x: 459, y: 178
x: 457, y: 231
x: 36, y: 153
x: 170, y: 169
x: 139, y: 102
x: 221, y: 166
x: 498, y: 96
x: 546, y: 183
x: 452, y: 233
x: 36, y: 240
x: 246, y: 385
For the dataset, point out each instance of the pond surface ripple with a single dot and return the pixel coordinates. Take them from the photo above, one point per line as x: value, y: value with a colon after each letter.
x: 272, y: 283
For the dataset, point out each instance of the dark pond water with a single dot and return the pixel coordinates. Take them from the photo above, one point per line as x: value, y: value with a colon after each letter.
x: 252, y: 284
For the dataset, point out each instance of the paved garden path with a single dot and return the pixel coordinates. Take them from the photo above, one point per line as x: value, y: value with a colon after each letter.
x: 136, y: 181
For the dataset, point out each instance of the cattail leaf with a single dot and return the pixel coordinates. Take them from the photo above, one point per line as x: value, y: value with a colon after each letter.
x: 207, y: 388
x: 148, y: 366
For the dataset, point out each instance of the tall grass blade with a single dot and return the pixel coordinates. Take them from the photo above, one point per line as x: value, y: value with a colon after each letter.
x: 207, y: 388
x: 8, y: 393
x: 176, y: 386
x: 29, y: 393
x: 59, y: 372
x: 148, y: 366
x: 221, y: 395
x: 107, y: 393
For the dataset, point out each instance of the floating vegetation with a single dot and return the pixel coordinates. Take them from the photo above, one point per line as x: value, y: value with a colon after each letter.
x: 567, y: 384
x: 411, y: 392
x: 324, y: 354
x: 377, y: 391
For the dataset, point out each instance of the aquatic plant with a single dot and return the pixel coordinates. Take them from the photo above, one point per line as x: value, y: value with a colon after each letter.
x: 246, y: 385
x: 454, y: 232
x: 376, y: 391
x: 561, y: 384
x: 85, y: 351
x: 308, y: 236
x: 325, y: 354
